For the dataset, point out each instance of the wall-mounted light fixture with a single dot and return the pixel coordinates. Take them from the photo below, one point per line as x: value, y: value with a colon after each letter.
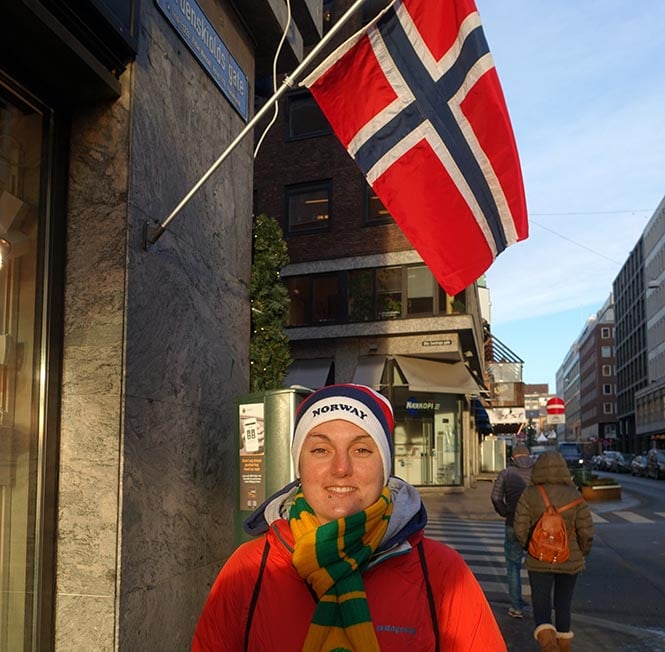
x: 5, y: 250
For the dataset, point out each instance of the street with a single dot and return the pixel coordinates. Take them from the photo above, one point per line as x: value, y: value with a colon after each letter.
x: 619, y: 601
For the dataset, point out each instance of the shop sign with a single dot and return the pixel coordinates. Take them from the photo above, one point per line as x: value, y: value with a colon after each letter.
x: 414, y: 405
x: 194, y: 28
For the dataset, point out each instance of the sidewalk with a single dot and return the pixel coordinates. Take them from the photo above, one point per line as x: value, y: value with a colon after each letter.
x: 591, y: 633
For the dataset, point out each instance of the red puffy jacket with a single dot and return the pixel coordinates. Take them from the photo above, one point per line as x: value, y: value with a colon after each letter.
x: 396, y: 593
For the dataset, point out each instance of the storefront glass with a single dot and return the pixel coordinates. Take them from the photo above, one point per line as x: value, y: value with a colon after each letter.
x: 427, y: 438
x: 22, y: 167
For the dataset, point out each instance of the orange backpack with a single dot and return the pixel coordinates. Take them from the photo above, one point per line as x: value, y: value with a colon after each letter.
x: 549, y: 539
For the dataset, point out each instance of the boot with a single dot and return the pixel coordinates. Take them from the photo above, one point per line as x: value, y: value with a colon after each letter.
x: 564, y: 639
x: 546, y: 635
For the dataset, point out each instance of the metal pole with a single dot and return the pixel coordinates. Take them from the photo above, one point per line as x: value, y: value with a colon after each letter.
x: 150, y: 236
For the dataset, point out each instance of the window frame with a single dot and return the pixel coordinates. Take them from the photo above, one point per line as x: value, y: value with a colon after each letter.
x: 366, y: 220
x: 301, y: 189
x: 291, y: 100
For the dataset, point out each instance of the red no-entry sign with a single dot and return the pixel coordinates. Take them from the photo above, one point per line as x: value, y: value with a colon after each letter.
x: 555, y: 405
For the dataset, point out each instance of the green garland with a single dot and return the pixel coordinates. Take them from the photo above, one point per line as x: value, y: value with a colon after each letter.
x: 269, y: 356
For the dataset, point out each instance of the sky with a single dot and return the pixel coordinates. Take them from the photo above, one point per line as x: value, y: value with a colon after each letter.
x: 584, y: 82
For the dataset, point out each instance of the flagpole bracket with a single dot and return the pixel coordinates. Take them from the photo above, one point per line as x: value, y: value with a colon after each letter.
x: 151, y: 234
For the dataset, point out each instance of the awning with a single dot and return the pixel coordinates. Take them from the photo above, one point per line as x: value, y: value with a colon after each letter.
x: 434, y: 376
x: 309, y: 373
x: 482, y: 419
x: 370, y: 370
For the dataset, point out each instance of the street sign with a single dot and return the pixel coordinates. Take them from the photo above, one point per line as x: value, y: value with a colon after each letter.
x: 556, y: 410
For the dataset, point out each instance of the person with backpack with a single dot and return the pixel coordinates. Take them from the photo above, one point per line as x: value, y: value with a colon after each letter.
x: 560, y: 557
x: 506, y: 491
x: 339, y: 560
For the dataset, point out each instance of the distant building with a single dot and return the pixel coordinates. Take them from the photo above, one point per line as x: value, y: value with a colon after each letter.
x: 650, y: 400
x: 631, y: 347
x: 568, y: 388
x: 598, y: 379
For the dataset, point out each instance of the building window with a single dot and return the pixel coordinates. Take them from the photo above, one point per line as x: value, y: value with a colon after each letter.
x: 608, y: 408
x: 374, y: 212
x: 605, y: 332
x: 325, y: 293
x: 313, y: 299
x: 308, y: 207
x: 606, y: 351
x: 367, y: 295
x: 300, y: 299
x: 361, y: 295
x: 607, y: 389
x: 305, y: 118
x: 419, y: 291
x: 607, y: 370
x: 389, y: 292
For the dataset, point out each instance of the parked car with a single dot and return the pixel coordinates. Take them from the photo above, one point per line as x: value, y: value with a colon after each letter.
x: 656, y: 463
x: 638, y: 466
x: 623, y: 463
x: 570, y: 452
x: 609, y: 461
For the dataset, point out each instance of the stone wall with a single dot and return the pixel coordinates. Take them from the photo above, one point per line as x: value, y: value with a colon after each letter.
x: 155, y: 351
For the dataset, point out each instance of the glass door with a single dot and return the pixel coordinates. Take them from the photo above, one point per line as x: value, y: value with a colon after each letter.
x: 23, y: 170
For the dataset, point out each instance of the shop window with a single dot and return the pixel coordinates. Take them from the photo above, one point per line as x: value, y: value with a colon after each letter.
x: 305, y: 118
x: 27, y: 485
x: 419, y: 290
x: 308, y: 207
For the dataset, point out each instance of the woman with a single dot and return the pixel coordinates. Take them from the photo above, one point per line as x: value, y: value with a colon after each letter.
x: 340, y: 562
x: 551, y: 471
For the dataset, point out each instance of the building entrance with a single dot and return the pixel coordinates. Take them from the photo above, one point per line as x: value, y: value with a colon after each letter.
x: 427, y: 439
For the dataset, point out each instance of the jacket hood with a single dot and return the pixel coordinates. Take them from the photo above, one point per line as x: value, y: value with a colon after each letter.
x: 409, y: 514
x: 551, y: 468
x: 524, y: 461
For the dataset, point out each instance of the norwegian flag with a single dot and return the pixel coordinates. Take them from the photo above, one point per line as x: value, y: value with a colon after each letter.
x: 415, y: 99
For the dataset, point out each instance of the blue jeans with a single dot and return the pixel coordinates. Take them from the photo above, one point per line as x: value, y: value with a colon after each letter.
x: 514, y: 555
x: 541, y: 598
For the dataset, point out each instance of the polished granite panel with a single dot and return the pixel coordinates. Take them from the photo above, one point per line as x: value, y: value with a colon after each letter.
x: 91, y: 405
x: 85, y: 623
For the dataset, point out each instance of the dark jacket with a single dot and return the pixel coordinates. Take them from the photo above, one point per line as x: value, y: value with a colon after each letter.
x: 509, y: 485
x: 551, y: 471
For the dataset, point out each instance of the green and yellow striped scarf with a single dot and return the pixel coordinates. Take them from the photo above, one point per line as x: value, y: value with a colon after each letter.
x: 330, y: 558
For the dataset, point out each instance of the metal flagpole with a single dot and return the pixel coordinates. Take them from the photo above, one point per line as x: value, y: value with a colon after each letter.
x: 150, y: 236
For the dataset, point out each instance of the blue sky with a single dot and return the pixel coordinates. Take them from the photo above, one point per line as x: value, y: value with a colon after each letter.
x: 585, y: 86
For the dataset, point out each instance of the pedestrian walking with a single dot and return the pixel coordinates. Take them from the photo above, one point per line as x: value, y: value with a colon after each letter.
x: 507, y: 489
x: 340, y: 561
x: 553, y: 583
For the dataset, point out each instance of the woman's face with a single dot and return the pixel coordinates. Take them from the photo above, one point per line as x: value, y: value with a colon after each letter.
x: 341, y: 471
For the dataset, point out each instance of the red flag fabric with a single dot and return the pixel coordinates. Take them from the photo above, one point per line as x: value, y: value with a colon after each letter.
x: 415, y: 99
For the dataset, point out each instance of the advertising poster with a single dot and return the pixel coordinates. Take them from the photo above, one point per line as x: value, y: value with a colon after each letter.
x: 252, y: 455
